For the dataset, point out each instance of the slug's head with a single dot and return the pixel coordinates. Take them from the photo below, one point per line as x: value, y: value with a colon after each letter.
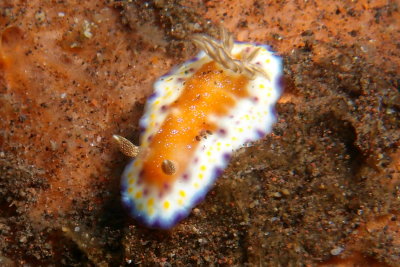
x: 221, y: 52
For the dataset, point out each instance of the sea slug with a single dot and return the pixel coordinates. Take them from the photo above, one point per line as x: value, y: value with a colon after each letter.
x: 199, y: 113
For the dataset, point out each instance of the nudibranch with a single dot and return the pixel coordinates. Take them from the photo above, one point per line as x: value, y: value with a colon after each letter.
x: 197, y: 116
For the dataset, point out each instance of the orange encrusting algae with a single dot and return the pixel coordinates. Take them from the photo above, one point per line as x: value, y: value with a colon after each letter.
x: 210, y: 93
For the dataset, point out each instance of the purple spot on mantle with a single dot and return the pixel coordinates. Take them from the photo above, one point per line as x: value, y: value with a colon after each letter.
x: 166, y: 186
x: 166, y: 75
x: 192, y: 60
x: 222, y: 132
x: 140, y: 177
x: 156, y: 224
x: 152, y: 96
x: 149, y: 138
x: 185, y: 177
x: 124, y: 187
x: 218, y: 171
x: 179, y: 216
x: 274, y: 113
x: 281, y: 83
x: 260, y: 133
x: 255, y: 99
x: 196, y: 159
x: 164, y: 108
x: 198, y: 198
x: 145, y: 192
x: 226, y: 157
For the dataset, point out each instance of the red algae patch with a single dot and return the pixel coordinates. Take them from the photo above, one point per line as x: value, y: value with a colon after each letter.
x: 322, y: 189
x: 63, y: 77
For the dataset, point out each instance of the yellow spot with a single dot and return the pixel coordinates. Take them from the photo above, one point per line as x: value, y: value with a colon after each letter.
x: 169, y: 79
x: 131, y: 181
x: 219, y: 144
x: 247, y: 117
x: 265, y: 112
x: 196, y: 185
x: 136, y: 164
x: 201, y: 176
x: 156, y: 102
x: 262, y: 86
x: 180, y: 202
x: 268, y: 60
x: 241, y: 130
x: 166, y: 205
x: 203, y: 168
x: 139, y: 207
x: 167, y: 88
x: 150, y: 202
x: 152, y: 116
x: 228, y: 145
x: 234, y: 138
x: 208, y: 153
x: 130, y: 190
x: 138, y: 195
x: 268, y: 94
x: 150, y: 211
x: 130, y: 174
x: 182, y: 193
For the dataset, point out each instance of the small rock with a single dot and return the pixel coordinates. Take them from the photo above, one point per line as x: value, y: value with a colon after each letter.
x: 285, y: 192
x: 40, y: 16
x: 53, y: 145
x: 87, y: 29
x: 336, y: 251
x: 277, y: 195
x: 196, y: 211
x: 23, y: 239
